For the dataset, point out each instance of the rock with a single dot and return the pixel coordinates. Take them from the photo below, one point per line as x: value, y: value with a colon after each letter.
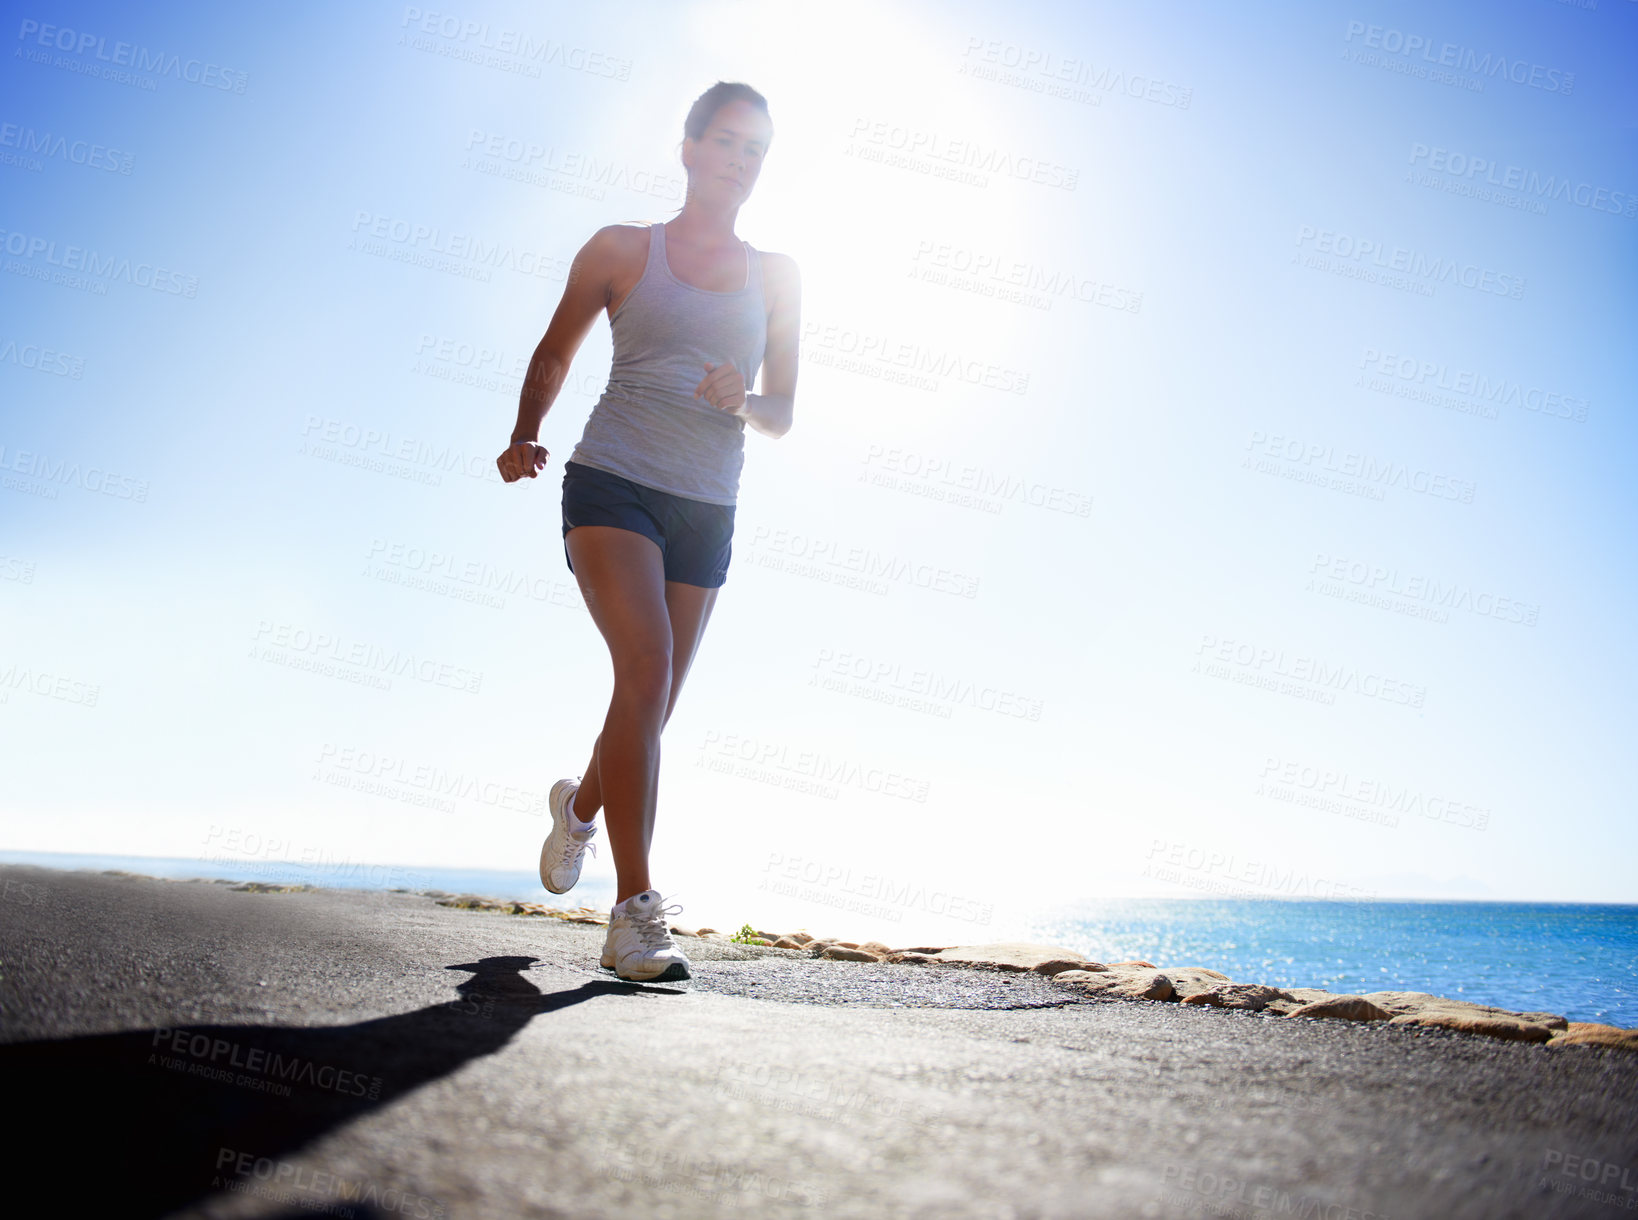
x: 1592, y: 1033
x: 1441, y: 1012
x: 705, y: 931
x: 1468, y: 1023
x: 1251, y: 996
x: 1299, y: 997
x: 1144, y: 965
x: 676, y: 931
x: 926, y: 948
x: 1013, y: 955
x: 789, y: 942
x: 874, y: 946
x: 1343, y: 1007
x: 911, y: 957
x: 1193, y: 980
x: 841, y: 953
x: 1129, y: 984
x: 1550, y: 1019
x: 847, y: 944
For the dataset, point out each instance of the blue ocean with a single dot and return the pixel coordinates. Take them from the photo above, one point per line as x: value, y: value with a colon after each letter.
x: 1576, y: 959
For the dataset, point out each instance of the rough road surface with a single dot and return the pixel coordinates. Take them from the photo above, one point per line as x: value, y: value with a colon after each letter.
x: 187, y: 1048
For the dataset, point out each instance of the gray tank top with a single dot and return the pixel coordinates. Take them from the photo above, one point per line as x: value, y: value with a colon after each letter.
x: 648, y: 426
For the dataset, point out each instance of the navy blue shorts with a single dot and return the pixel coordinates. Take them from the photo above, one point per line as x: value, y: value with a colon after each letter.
x: 695, y: 538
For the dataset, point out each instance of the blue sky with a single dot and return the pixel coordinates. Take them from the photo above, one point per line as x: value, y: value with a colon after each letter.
x: 1210, y: 466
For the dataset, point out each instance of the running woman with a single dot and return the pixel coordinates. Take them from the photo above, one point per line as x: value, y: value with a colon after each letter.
x: 649, y: 492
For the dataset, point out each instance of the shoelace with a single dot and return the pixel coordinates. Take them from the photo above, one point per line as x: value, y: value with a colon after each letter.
x: 576, y: 846
x: 650, y: 927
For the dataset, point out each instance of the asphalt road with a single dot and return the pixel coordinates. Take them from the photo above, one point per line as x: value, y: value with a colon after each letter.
x: 185, y: 1048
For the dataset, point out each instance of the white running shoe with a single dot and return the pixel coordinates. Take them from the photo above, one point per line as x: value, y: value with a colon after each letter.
x: 639, y: 945
x: 560, y: 856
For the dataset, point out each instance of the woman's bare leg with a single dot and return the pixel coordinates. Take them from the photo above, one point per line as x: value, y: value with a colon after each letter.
x: 622, y: 579
x: 689, y: 608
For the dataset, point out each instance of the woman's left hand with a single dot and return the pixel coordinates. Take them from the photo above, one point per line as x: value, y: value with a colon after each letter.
x: 723, y: 388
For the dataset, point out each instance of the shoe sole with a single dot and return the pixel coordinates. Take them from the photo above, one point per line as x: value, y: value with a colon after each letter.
x: 559, y: 827
x: 676, y: 971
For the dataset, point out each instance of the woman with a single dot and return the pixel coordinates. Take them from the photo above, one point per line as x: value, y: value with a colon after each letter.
x: 649, y: 492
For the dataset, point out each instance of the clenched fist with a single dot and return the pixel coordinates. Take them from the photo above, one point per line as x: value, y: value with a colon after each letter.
x: 522, y: 458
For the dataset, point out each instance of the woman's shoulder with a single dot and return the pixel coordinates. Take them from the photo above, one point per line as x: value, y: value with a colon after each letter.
x: 779, y: 270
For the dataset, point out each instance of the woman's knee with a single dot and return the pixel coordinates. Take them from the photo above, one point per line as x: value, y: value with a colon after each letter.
x: 644, y: 675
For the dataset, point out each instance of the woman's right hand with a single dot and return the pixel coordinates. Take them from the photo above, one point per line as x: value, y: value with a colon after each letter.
x: 522, y: 458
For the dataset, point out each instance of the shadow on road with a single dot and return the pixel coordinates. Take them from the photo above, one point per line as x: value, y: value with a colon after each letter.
x: 149, y: 1120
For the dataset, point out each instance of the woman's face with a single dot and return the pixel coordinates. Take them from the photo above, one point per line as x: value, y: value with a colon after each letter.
x: 725, y: 162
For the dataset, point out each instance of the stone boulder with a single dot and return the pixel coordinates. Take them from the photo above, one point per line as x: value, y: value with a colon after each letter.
x: 1015, y: 955
x: 1193, y: 980
x: 1342, y: 1007
x: 1127, y: 983
x: 1441, y: 1012
x: 1253, y: 997
x: 841, y: 953
x: 1592, y: 1033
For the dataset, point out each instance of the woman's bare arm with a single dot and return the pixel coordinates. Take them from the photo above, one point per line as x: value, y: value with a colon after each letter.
x: 584, y: 297
x: 771, y: 411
